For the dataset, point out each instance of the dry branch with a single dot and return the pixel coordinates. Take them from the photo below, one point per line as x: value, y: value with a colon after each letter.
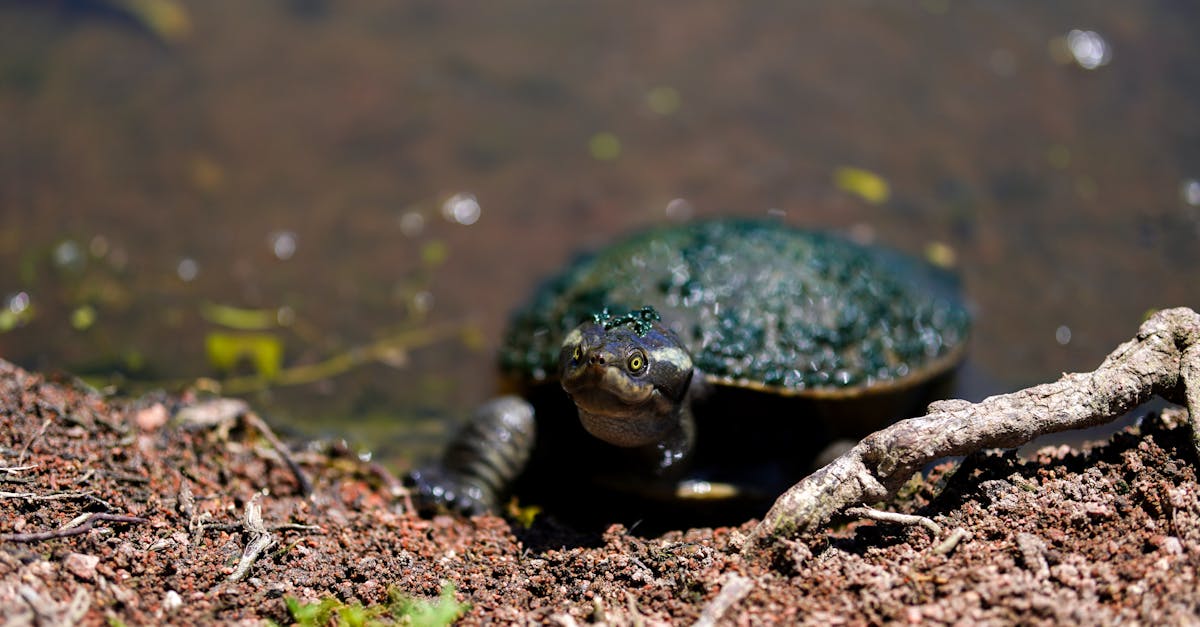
x: 83, y: 527
x: 1164, y: 360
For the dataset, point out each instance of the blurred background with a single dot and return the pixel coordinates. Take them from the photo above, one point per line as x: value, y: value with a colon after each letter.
x: 330, y: 208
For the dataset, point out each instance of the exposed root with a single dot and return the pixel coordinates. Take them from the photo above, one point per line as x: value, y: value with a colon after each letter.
x: 1164, y: 360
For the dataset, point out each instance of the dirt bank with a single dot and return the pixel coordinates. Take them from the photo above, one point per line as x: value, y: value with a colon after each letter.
x: 158, y: 496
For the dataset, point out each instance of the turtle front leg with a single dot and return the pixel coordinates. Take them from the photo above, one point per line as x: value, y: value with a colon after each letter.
x: 482, y: 460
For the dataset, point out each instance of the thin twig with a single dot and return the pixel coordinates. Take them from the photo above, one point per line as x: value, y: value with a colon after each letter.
x: 36, y: 436
x: 734, y: 588
x: 58, y: 496
x: 51, y: 612
x: 1163, y: 359
x: 260, y: 539
x: 279, y: 527
x: 395, y: 487
x: 871, y: 513
x: 126, y: 478
x: 54, y: 496
x: 88, y: 523
x: 946, y: 546
x: 252, y: 419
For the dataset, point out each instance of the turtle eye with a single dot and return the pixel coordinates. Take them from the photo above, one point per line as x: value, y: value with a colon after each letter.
x: 637, y: 361
x: 577, y: 354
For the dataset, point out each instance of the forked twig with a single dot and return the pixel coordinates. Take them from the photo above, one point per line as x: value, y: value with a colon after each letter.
x: 260, y: 539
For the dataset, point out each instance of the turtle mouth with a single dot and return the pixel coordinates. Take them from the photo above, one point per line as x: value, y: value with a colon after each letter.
x: 605, y: 388
x: 615, y: 408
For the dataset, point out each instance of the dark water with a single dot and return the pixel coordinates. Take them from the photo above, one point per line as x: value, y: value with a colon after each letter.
x: 357, y: 170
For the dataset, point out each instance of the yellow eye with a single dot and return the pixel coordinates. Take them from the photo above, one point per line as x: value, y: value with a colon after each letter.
x: 637, y: 361
x: 575, y: 356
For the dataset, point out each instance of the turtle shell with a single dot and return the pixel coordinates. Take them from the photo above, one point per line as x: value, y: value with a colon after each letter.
x: 760, y: 305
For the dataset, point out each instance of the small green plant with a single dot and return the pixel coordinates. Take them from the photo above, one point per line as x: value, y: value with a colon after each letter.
x: 400, y: 609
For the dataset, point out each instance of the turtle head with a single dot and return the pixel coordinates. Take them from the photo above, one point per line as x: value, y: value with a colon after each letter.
x: 628, y: 375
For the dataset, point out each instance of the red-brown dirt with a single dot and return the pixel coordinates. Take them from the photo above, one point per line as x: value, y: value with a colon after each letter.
x: 1106, y: 535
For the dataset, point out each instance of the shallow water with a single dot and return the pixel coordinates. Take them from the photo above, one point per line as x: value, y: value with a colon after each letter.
x: 371, y: 169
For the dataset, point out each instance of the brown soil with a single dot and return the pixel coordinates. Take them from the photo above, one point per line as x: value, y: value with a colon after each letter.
x: 1102, y: 536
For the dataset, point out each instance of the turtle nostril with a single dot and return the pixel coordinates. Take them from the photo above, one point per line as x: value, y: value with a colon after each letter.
x: 596, y: 358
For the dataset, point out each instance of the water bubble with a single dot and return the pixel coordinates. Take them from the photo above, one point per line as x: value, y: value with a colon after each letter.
x: 67, y: 254
x: 187, y: 269
x: 1058, y: 156
x: 15, y: 312
x: 422, y: 302
x: 283, y: 244
x: 412, y: 223
x: 285, y: 316
x: 936, y: 7
x: 1002, y: 62
x: 18, y: 303
x: 679, y: 210
x: 462, y: 208
x: 118, y: 258
x: 1189, y: 190
x: 98, y: 247
x: 1062, y: 335
x: 1088, y: 48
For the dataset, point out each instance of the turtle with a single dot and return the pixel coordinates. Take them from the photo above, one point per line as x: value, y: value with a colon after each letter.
x: 693, y: 366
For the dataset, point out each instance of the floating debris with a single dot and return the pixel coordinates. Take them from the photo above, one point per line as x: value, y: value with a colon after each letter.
x: 604, y: 146
x: 82, y: 318
x: 263, y: 350
x: 862, y: 183
x: 663, y: 100
x: 941, y: 254
x: 167, y: 20
x: 241, y: 318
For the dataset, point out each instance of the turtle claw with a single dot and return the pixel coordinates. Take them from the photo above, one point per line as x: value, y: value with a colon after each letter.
x: 434, y: 490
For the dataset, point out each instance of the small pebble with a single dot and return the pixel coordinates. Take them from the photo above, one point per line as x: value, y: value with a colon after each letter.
x: 152, y: 417
x: 81, y: 565
x: 172, y: 601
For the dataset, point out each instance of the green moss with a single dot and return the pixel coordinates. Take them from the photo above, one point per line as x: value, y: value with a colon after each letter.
x: 400, y: 609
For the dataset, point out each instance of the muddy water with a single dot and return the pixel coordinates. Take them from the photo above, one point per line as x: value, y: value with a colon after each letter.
x: 376, y: 168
